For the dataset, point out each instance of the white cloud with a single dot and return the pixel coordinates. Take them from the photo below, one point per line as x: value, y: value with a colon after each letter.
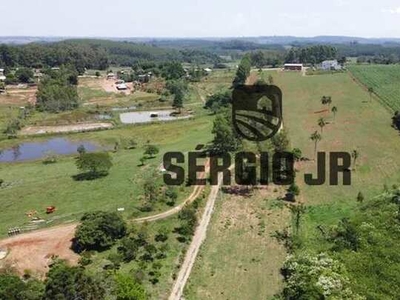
x: 392, y: 10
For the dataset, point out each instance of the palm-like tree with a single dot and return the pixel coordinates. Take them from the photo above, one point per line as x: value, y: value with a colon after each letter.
x: 315, y: 137
x: 334, y: 111
x: 321, y: 123
x: 355, y: 154
x: 328, y: 100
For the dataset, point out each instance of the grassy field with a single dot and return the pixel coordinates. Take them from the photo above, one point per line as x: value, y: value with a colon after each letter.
x: 383, y: 79
x: 240, y: 259
x: 34, y: 186
x: 359, y: 124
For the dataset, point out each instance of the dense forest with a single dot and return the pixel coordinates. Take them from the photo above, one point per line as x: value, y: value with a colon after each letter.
x: 95, y: 54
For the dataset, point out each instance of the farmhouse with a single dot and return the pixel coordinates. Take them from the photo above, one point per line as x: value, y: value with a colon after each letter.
x: 330, y: 65
x: 293, y: 67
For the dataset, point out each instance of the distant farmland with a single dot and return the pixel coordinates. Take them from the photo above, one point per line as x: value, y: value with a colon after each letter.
x: 384, y: 79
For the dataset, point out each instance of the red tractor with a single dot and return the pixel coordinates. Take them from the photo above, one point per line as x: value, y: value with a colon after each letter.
x: 50, y: 209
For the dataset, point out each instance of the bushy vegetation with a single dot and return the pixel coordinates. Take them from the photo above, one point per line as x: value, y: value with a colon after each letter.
x: 99, y: 230
x: 57, y: 91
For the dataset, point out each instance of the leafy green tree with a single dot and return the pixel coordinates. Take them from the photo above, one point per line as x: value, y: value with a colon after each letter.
x: 95, y: 163
x: 297, y: 154
x: 280, y: 141
x: 225, y: 139
x: 162, y: 235
x: 243, y: 71
x: 151, y: 150
x: 24, y: 75
x: 219, y: 99
x: 65, y: 283
x: 13, y: 288
x: 172, y: 70
x: 360, y: 197
x: 99, y: 230
x: 81, y: 149
x: 129, y: 289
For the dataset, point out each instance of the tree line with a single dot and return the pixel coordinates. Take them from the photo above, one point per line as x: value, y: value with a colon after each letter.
x: 94, y: 54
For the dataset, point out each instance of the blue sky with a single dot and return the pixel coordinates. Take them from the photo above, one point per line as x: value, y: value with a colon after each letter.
x: 199, y: 18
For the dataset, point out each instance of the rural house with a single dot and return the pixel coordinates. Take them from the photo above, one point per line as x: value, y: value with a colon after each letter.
x: 330, y: 65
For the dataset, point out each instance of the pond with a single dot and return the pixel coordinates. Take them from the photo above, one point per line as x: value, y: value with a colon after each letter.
x: 37, y: 150
x: 149, y: 116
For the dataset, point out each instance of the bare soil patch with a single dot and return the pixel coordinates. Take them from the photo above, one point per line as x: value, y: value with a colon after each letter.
x: 18, y: 96
x: 32, y: 130
x: 34, y: 251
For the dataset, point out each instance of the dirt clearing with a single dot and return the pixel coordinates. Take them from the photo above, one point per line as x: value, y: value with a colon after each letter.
x: 32, y: 130
x: 34, y: 251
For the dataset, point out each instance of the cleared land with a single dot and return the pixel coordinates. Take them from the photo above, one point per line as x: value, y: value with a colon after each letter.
x: 240, y: 259
x: 360, y: 124
x: 384, y: 79
x: 34, y: 251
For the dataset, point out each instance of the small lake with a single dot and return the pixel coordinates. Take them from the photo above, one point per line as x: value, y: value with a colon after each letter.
x: 37, y: 150
x: 148, y: 116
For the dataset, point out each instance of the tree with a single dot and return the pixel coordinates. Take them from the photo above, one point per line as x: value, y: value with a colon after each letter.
x: 96, y: 164
x: 281, y: 141
x: 99, y: 230
x: 81, y: 149
x: 355, y: 154
x: 323, y: 100
x: 360, y: 197
x: 97, y: 74
x: 218, y: 100
x: 58, y: 91
x: 270, y: 79
x: 224, y: 138
x: 334, y: 111
x: 178, y: 100
x: 321, y: 124
x: 329, y: 100
x: 151, y: 150
x: 297, y: 154
x: 172, y: 70
x: 294, y: 190
x: 64, y: 283
x: 128, y: 288
x: 13, y: 288
x: 24, y: 75
x: 315, y: 137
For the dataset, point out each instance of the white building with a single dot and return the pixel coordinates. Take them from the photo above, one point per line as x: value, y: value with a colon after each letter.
x: 330, y: 65
x: 2, y: 77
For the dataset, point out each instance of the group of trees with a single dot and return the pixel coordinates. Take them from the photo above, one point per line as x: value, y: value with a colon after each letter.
x: 271, y: 58
x: 243, y: 71
x: 95, y: 54
x: 58, y: 91
x: 311, y: 54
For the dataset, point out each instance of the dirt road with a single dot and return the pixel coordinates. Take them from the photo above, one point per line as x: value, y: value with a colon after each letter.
x: 194, y: 247
x: 33, y: 251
